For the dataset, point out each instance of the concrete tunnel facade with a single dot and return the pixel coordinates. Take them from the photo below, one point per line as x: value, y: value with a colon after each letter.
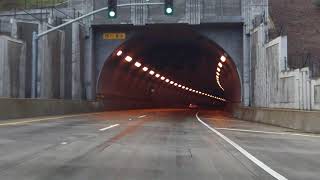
x: 188, y: 55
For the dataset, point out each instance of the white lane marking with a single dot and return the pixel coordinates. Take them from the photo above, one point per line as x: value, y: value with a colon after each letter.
x: 109, y: 127
x: 245, y: 153
x: 142, y: 116
x: 46, y: 119
x: 64, y: 143
x: 269, y: 132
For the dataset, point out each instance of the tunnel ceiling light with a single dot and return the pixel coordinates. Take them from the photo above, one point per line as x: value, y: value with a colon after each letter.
x: 151, y: 72
x: 128, y: 59
x: 119, y: 53
x: 223, y: 59
x: 220, y: 64
x: 145, y: 69
x: 137, y: 64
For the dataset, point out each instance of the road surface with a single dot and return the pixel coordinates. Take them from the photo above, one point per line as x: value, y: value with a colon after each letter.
x: 157, y: 144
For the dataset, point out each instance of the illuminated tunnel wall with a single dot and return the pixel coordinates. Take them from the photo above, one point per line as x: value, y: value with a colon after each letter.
x: 180, y: 53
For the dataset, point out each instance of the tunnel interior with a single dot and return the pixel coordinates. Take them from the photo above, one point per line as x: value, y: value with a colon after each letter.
x: 178, y: 53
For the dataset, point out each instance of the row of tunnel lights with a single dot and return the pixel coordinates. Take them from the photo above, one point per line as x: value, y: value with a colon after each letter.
x: 163, y: 78
x: 218, y: 73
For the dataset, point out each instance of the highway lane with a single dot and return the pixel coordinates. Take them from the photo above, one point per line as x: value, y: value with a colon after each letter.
x: 150, y: 144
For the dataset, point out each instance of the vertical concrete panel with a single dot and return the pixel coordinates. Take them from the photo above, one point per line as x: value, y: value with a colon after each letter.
x: 231, y: 7
x: 14, y: 28
x: 62, y: 66
x: 24, y: 33
x: 2, y: 59
x: 272, y: 56
x: 45, y: 71
x: 6, y: 71
x: 317, y: 94
x: 139, y: 14
x: 258, y: 69
x: 54, y: 40
x: 22, y: 71
x: 12, y: 62
x: 76, y: 63
x: 212, y: 8
x: 49, y: 65
x: 68, y: 63
x: 43, y: 57
x: 89, y: 67
x: 246, y: 70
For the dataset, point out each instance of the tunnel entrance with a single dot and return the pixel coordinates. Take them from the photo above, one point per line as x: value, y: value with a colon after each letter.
x: 180, y: 54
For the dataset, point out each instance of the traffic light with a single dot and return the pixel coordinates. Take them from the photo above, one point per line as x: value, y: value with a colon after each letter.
x: 112, y: 8
x: 168, y: 7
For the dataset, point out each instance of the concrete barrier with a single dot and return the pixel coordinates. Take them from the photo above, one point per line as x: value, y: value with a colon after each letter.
x: 306, y: 121
x: 11, y: 108
x: 24, y: 108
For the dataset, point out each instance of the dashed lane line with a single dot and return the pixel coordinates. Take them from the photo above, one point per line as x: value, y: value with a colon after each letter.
x: 109, y: 127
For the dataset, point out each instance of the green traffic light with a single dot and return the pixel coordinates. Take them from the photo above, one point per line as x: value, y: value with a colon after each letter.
x: 168, y: 10
x: 112, y: 14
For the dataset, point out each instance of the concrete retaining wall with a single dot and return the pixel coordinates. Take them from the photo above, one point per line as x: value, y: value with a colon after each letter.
x: 273, y: 84
x: 25, y: 108
x: 306, y: 121
x: 11, y: 108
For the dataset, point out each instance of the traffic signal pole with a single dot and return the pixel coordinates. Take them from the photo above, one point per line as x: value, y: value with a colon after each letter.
x: 36, y: 37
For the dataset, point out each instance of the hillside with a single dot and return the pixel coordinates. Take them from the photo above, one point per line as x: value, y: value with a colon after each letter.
x: 299, y: 20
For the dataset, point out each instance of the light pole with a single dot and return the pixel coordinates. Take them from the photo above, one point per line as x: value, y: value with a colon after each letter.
x: 36, y: 37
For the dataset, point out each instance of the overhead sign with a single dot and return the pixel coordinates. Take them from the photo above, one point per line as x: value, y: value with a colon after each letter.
x: 114, y: 36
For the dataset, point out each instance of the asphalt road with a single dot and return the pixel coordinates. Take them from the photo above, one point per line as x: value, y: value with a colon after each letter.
x: 154, y: 144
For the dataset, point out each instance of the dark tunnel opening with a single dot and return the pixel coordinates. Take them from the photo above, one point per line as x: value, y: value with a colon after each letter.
x: 178, y: 53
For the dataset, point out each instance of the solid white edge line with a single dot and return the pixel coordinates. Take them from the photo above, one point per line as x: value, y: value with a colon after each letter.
x: 142, y: 116
x: 268, y: 132
x: 244, y: 152
x: 35, y: 119
x: 109, y: 127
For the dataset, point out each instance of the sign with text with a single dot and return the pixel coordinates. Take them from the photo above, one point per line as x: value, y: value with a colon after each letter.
x: 114, y: 36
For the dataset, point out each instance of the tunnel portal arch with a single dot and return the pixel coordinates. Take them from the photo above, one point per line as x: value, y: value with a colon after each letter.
x: 148, y: 44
